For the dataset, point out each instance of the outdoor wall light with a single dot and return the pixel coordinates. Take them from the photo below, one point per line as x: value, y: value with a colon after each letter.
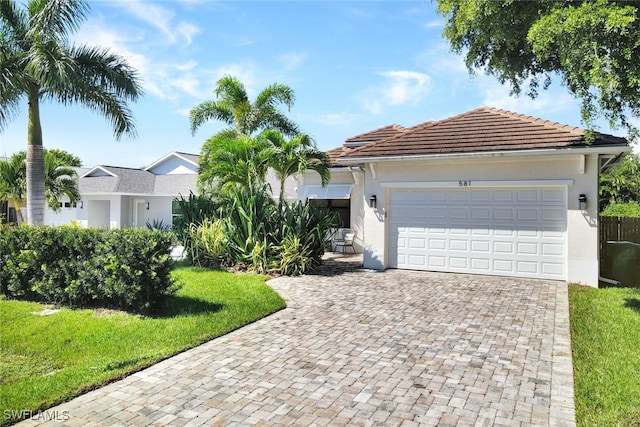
x: 147, y: 205
x: 373, y: 201
x: 81, y: 204
x: 582, y: 200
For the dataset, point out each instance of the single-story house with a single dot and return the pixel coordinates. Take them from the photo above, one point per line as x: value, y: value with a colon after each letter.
x: 116, y: 197
x: 485, y: 192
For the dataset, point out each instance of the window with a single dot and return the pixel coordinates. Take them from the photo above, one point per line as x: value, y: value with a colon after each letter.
x: 174, y: 212
x: 341, y: 206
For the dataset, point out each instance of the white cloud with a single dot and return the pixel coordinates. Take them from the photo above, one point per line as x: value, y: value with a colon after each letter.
x: 401, y: 87
x: 436, y: 23
x: 160, y: 18
x: 548, y: 102
x: 292, y: 60
x: 405, y: 86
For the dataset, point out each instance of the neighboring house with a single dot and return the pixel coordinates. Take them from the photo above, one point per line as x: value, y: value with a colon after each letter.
x: 116, y: 197
x: 485, y: 192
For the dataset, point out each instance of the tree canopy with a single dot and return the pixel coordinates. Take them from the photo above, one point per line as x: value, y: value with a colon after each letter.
x: 593, y: 46
x: 38, y: 62
x: 233, y: 107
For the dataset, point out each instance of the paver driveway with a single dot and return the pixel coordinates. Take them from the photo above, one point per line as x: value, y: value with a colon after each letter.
x: 366, y: 348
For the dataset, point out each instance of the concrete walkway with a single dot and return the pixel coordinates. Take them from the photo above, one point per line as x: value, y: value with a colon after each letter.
x: 365, y: 348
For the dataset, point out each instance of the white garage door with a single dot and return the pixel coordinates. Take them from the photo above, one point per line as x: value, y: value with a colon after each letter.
x: 499, y: 231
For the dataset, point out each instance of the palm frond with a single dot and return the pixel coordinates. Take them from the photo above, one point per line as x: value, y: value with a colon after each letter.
x: 209, y: 110
x: 55, y: 19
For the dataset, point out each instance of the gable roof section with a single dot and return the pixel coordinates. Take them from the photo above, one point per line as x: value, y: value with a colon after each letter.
x: 114, y: 179
x: 193, y: 159
x: 481, y: 130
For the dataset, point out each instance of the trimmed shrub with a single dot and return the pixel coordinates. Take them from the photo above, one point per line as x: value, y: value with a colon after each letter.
x: 127, y: 269
x: 629, y: 210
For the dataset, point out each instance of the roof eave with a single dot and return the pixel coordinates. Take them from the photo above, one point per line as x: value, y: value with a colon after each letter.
x: 610, y: 149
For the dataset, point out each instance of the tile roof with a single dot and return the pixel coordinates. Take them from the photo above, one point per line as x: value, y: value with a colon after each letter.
x: 375, y: 135
x: 481, y: 130
x: 335, y: 153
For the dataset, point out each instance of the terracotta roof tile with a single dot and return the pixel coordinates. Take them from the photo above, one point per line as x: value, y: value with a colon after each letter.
x: 481, y: 130
x: 335, y: 153
x: 379, y: 134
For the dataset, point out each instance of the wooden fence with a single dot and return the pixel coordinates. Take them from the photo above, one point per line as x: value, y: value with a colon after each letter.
x: 616, y: 229
x: 619, y: 229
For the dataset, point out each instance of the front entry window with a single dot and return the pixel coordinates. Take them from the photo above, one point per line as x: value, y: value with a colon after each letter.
x: 341, y: 206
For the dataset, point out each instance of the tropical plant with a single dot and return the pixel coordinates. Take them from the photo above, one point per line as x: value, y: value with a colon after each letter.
x: 621, y: 184
x: 13, y: 181
x: 228, y: 161
x: 233, y: 107
x: 295, y: 156
x: 208, y: 246
x: 158, y: 224
x: 37, y: 62
x: 192, y: 210
x: 59, y: 180
x: 65, y: 157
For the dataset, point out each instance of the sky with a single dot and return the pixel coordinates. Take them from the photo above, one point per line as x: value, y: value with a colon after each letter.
x: 355, y: 66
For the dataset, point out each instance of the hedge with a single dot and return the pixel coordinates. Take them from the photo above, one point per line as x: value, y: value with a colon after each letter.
x: 128, y: 269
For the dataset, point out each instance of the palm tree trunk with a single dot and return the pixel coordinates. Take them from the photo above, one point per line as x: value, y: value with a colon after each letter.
x: 16, y: 206
x: 282, y: 189
x: 35, y: 162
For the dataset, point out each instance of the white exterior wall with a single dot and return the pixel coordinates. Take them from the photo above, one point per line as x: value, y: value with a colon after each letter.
x: 290, y: 186
x: 160, y: 209
x: 65, y: 216
x: 582, y: 230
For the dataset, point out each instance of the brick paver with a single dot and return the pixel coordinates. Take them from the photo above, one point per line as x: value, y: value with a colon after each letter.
x: 365, y: 348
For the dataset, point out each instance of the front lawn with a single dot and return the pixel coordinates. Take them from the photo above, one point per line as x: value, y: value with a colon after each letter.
x: 605, y: 338
x: 45, y: 360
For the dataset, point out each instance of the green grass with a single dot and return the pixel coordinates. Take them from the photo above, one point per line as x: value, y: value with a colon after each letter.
x: 605, y: 338
x: 45, y: 360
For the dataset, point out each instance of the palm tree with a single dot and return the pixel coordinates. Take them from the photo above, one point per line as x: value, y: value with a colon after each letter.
x: 234, y: 161
x: 234, y: 108
x: 59, y: 180
x: 37, y: 62
x: 295, y: 156
x: 13, y: 181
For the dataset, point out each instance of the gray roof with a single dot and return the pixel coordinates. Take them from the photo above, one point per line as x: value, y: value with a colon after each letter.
x: 175, y: 184
x: 192, y: 157
x: 120, y: 180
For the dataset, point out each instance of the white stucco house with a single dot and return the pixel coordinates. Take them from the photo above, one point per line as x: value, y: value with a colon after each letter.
x: 485, y: 192
x: 116, y: 197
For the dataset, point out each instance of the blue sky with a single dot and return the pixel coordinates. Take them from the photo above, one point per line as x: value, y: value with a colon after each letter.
x: 354, y: 65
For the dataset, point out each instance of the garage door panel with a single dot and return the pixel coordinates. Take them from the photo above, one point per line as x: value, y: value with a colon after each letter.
x: 514, y: 232
x: 458, y: 263
x: 527, y: 195
x: 458, y: 245
x: 503, y: 247
x: 480, y: 213
x: 553, y: 249
x: 480, y: 246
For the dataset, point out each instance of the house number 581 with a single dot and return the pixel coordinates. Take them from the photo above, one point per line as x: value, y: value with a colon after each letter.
x: 464, y: 183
